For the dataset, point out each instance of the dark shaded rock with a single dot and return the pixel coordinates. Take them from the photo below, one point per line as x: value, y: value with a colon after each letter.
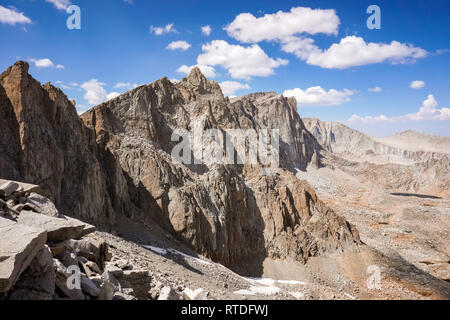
x: 18, y: 247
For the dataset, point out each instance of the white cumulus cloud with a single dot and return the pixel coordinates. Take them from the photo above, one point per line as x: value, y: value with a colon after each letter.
x: 163, y: 30
x: 241, y: 62
x: 317, y: 96
x: 207, y: 71
x: 126, y: 85
x: 178, y: 45
x: 352, y: 51
x: 292, y: 29
x: 230, y: 87
x: 206, y: 30
x: 60, y: 4
x: 112, y: 95
x: 95, y: 93
x: 45, y: 63
x: 417, y: 84
x: 42, y: 63
x: 428, y: 111
x: 247, y: 28
x: 12, y: 16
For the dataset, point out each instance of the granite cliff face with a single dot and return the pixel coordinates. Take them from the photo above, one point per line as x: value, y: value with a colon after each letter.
x: 46, y: 143
x: 115, y: 162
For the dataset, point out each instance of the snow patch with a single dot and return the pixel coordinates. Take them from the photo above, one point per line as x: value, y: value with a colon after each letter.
x: 297, y: 295
x: 266, y: 290
x: 164, y: 252
x: 267, y: 286
x: 271, y: 282
x: 193, y: 294
x: 350, y: 296
x: 157, y: 250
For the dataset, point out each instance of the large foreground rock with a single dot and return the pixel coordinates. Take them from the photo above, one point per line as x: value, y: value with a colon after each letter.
x: 58, y: 229
x: 38, y: 280
x: 19, y: 186
x: 18, y: 246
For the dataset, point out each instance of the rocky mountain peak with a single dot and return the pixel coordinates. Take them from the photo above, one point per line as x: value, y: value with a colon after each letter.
x: 19, y: 68
x: 196, y: 85
x: 196, y: 76
x: 115, y: 165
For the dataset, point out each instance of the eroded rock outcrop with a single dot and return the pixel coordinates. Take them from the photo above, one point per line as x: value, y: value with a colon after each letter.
x: 47, y: 144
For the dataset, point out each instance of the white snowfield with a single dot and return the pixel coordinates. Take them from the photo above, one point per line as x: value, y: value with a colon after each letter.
x: 267, y: 286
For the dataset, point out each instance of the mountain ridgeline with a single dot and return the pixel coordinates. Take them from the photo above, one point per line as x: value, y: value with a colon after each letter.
x: 112, y: 167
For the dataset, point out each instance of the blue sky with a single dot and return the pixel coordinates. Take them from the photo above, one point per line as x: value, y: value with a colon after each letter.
x: 319, y: 51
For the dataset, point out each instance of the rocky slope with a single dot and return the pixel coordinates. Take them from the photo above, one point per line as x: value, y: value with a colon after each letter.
x: 397, y: 196
x: 340, y: 139
x: 114, y: 168
x: 417, y: 141
x: 48, y: 256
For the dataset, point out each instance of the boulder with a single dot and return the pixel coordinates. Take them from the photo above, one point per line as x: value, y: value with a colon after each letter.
x: 108, y: 276
x: 18, y: 247
x: 198, y: 294
x: 93, y: 266
x: 113, y: 269
x: 168, y: 293
x: 82, y: 262
x: 8, y: 187
x: 155, y: 290
x: 123, y: 264
x: 107, y: 289
x: 40, y: 204
x: 6, y: 207
x: 68, y: 259
x: 122, y: 296
x: 62, y: 274
x: 38, y: 280
x: 138, y: 280
x: 58, y: 229
x: 23, y: 187
x: 58, y: 248
x: 92, y: 248
x: 89, y: 287
x: 128, y: 291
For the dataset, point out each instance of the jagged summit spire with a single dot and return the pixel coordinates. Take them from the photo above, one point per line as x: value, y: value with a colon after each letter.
x: 196, y: 75
x: 23, y: 65
x: 196, y: 84
x: 19, y: 67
